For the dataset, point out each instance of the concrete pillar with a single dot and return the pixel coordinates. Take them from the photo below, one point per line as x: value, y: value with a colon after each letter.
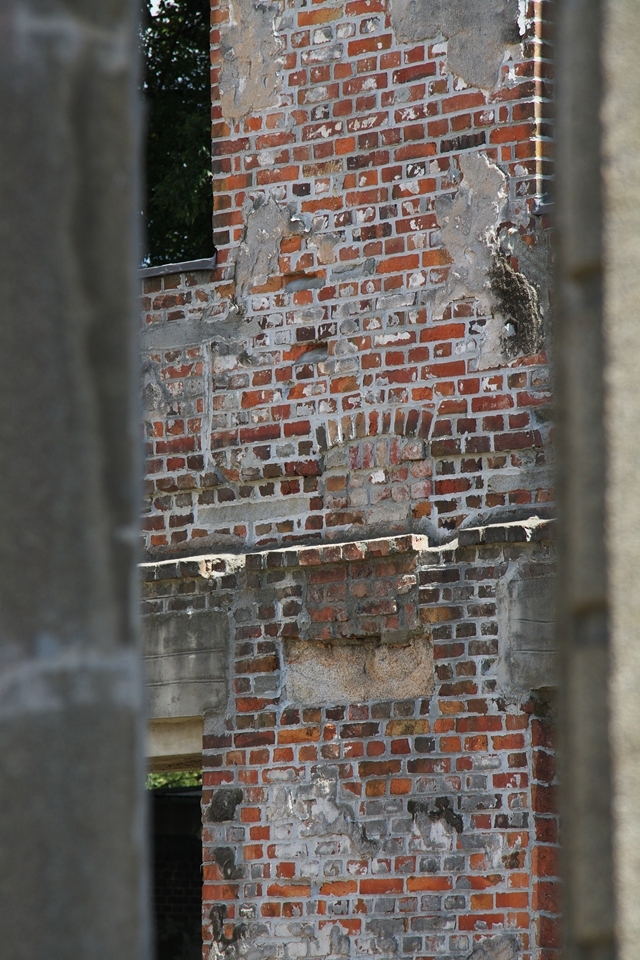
x: 598, y: 384
x: 621, y: 181
x: 583, y: 631
x: 72, y: 825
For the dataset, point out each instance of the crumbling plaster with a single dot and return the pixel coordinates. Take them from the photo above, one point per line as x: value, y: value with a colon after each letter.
x: 267, y: 223
x: 251, y: 59
x: 479, y: 33
x: 481, y: 244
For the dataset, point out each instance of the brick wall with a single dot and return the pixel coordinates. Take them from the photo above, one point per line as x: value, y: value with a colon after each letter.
x: 348, y: 455
x: 396, y: 827
x: 368, y: 358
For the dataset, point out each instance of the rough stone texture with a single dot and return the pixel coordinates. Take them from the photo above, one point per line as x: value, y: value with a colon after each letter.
x: 72, y: 832
x: 251, y: 58
x: 320, y: 673
x: 479, y: 33
x: 223, y: 804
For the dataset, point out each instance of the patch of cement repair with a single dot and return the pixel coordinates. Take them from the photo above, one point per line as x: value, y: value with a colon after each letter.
x: 320, y: 814
x: 155, y: 398
x: 481, y: 270
x: 479, y: 33
x: 258, y: 254
x: 348, y: 673
x: 504, y: 947
x: 250, y: 59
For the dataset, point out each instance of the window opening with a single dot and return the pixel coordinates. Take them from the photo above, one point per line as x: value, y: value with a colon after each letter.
x: 177, y: 872
x: 177, y: 93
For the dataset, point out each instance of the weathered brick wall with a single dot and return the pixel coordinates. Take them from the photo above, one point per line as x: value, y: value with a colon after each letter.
x: 368, y: 358
x: 355, y: 406
x: 405, y: 826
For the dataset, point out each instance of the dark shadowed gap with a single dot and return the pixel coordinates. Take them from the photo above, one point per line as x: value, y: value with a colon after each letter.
x: 177, y: 873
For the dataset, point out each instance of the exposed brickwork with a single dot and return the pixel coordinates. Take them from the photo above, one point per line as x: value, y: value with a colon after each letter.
x: 298, y: 389
x: 361, y: 380
x: 410, y: 827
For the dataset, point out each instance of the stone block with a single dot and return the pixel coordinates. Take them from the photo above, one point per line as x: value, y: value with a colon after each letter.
x: 526, y: 633
x: 348, y: 673
x: 185, y: 658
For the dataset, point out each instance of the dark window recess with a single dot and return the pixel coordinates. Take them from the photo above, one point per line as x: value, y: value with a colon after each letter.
x: 177, y: 92
x: 177, y: 874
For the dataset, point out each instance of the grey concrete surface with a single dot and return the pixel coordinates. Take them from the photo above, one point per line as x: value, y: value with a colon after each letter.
x: 583, y: 630
x: 187, y: 266
x: 621, y: 168
x: 72, y: 830
x: 185, y: 663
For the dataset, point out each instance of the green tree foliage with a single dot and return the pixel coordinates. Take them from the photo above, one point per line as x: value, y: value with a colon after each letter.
x: 175, y: 42
x: 175, y: 778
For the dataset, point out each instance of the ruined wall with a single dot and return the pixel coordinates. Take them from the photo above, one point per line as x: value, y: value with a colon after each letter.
x: 385, y: 824
x: 349, y: 447
x: 369, y: 356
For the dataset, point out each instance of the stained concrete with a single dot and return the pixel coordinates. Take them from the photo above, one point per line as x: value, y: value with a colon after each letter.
x: 228, y: 513
x: 315, y: 673
x: 72, y: 830
x: 621, y: 149
x: 479, y: 33
x: 589, y: 913
x: 174, y: 744
x: 526, y: 632
x: 185, y: 660
x: 251, y: 59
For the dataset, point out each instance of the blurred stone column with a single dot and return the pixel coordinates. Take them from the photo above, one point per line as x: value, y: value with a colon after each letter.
x: 597, y: 362
x: 583, y: 626
x: 621, y: 196
x: 72, y: 825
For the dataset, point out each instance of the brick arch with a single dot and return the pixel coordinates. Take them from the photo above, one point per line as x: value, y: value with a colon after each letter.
x: 361, y: 425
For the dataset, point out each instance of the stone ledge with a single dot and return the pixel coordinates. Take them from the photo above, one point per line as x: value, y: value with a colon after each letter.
x: 211, y: 565
x: 517, y: 531
x: 188, y: 266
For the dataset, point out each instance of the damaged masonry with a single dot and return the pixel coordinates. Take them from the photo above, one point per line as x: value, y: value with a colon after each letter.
x: 349, y: 557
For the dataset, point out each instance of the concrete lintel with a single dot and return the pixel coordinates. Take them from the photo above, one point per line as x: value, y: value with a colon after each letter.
x: 174, y: 744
